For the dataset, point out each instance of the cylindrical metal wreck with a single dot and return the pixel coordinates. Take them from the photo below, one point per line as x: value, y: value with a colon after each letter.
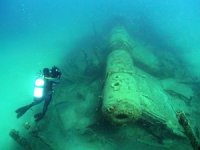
x: 120, y: 88
x: 120, y: 93
x: 131, y: 94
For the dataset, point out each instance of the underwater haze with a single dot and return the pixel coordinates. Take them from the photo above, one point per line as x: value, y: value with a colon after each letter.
x: 35, y: 34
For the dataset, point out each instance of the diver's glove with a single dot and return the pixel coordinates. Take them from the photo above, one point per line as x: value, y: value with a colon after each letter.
x: 38, y: 116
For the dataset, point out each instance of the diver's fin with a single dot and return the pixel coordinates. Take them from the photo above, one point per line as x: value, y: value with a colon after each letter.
x: 38, y: 116
x: 20, y: 111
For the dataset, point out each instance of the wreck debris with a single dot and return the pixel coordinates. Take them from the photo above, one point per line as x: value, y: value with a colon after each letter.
x: 129, y: 81
x: 188, y: 130
x: 119, y: 91
x: 23, y: 142
x: 119, y: 87
x: 132, y: 95
x: 34, y: 136
x: 196, y: 130
x: 179, y: 96
x: 42, y: 140
x: 27, y: 125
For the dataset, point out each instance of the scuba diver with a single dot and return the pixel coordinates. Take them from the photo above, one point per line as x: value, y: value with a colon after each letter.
x: 44, y: 86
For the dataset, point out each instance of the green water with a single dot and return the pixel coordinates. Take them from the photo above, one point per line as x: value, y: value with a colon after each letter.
x: 38, y: 34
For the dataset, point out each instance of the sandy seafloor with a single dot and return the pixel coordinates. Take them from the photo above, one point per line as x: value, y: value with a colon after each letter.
x: 38, y: 34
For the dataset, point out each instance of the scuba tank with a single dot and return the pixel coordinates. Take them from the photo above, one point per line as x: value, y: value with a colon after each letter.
x: 39, y: 87
x: 40, y: 83
x: 39, y: 90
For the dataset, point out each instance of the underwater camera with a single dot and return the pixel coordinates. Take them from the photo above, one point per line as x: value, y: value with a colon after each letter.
x: 55, y: 72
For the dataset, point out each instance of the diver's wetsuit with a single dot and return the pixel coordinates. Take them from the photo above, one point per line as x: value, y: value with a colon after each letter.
x: 48, y: 91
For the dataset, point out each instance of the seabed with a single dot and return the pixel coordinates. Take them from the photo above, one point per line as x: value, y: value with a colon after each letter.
x: 118, y: 94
